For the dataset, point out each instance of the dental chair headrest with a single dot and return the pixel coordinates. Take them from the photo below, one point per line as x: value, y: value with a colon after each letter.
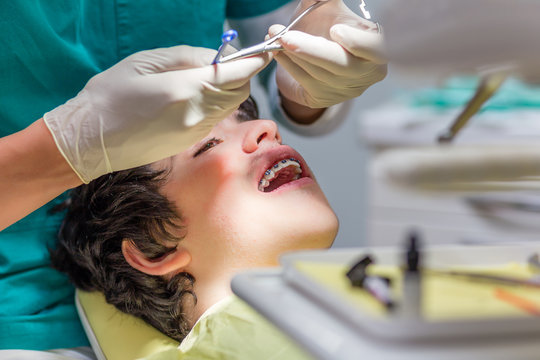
x: 115, y: 335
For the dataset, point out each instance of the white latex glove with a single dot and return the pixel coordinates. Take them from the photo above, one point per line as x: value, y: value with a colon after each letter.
x: 149, y: 106
x: 332, y: 55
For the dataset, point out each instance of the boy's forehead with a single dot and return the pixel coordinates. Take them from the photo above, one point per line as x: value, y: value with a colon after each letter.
x: 247, y: 111
x: 231, y: 120
x: 229, y: 124
x: 239, y: 117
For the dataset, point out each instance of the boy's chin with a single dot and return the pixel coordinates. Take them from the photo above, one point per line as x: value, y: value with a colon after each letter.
x: 322, y: 239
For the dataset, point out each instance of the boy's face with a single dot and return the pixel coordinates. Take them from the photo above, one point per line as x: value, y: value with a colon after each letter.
x: 231, y: 218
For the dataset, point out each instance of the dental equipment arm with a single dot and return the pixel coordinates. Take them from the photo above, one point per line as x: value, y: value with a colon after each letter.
x: 486, y: 89
x: 450, y: 167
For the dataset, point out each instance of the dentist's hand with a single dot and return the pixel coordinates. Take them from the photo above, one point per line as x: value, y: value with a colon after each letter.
x: 332, y: 56
x: 149, y: 106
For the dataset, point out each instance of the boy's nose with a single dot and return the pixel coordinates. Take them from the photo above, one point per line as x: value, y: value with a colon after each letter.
x: 259, y: 132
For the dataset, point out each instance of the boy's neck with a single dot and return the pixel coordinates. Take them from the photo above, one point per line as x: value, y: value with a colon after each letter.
x: 209, y: 293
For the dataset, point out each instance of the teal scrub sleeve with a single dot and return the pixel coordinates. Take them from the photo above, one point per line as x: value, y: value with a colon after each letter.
x: 240, y: 9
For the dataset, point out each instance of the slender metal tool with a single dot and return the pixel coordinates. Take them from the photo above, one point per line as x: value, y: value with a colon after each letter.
x: 364, y: 10
x: 487, y: 278
x: 367, y: 15
x: 487, y: 87
x: 270, y: 44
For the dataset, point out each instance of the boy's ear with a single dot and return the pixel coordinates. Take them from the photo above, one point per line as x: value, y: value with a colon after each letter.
x: 172, y: 262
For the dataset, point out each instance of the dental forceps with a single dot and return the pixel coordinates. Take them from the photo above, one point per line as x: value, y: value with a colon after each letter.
x: 270, y: 44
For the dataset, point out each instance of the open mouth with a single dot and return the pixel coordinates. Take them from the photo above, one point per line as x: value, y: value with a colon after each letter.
x: 279, y: 174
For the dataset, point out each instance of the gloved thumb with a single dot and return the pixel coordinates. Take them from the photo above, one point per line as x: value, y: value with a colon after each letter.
x: 361, y: 43
x: 274, y: 29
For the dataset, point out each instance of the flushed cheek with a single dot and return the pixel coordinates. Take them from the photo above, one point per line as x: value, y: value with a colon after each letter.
x: 220, y: 166
x: 211, y: 185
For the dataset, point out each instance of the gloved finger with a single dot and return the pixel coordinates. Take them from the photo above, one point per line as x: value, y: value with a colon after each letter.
x: 234, y: 74
x: 225, y: 100
x: 318, y: 50
x: 292, y: 82
x: 349, y: 78
x: 360, y: 43
x: 172, y: 58
x: 293, y: 65
x: 176, y: 58
x: 299, y: 85
x: 295, y: 70
x: 274, y: 29
x: 291, y: 89
x: 225, y: 76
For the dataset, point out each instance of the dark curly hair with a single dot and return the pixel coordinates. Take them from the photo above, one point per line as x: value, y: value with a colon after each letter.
x: 128, y: 205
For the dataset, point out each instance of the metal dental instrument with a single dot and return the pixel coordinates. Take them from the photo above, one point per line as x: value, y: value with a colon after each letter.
x: 364, y: 10
x: 270, y: 44
x: 488, y: 86
x: 367, y: 15
x: 226, y: 38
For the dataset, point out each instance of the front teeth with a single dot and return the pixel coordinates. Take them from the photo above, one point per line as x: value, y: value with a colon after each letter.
x: 270, y: 174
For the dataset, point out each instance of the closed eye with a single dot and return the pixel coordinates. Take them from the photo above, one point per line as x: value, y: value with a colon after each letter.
x: 207, y: 146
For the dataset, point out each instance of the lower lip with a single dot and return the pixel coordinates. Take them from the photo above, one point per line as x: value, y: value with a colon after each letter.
x: 296, y: 184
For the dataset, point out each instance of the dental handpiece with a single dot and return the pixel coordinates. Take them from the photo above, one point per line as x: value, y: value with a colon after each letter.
x: 486, y: 89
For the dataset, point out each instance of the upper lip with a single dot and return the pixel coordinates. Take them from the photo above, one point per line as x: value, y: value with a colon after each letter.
x: 276, y: 154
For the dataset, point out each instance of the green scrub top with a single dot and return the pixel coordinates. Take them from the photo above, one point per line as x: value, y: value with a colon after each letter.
x: 48, y: 51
